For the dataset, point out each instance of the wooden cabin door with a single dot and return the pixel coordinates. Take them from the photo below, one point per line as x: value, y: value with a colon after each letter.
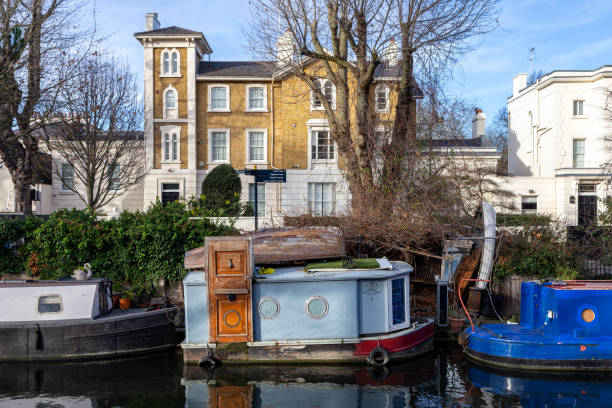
x: 230, y: 269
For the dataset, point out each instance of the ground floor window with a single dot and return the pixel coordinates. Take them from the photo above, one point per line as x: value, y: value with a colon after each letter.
x: 529, y: 205
x: 67, y: 177
x: 261, y: 198
x: 170, y: 193
x: 321, y: 198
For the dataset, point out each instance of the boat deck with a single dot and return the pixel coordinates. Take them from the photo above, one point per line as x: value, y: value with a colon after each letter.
x: 295, y: 273
x: 580, y: 285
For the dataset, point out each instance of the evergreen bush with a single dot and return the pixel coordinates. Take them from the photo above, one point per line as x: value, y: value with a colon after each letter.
x: 139, y: 248
x: 221, y: 191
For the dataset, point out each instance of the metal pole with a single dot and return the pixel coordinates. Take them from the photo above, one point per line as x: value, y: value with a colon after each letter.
x: 256, y: 211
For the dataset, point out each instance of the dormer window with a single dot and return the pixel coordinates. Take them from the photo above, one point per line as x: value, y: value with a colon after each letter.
x: 382, y: 98
x: 218, y: 98
x: 171, y: 60
x: 326, y: 87
x: 170, y: 103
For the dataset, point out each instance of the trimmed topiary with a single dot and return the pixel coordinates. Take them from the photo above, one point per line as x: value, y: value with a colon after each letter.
x: 221, y: 190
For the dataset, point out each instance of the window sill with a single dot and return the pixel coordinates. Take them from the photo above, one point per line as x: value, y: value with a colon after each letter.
x: 383, y: 111
x: 257, y: 163
x: 219, y: 110
x: 312, y: 108
x: 321, y: 161
x: 257, y: 110
x: 170, y: 76
x: 579, y: 117
x: 218, y: 162
x: 62, y: 192
x: 171, y: 162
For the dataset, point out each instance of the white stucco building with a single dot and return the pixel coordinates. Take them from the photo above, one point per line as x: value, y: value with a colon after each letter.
x: 556, y: 146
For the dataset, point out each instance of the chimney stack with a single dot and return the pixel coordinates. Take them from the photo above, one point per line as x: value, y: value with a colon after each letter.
x: 519, y: 82
x: 152, y: 22
x: 285, y: 53
x: 478, y: 123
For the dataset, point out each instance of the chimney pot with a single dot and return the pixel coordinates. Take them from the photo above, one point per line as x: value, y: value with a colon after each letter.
x: 478, y: 123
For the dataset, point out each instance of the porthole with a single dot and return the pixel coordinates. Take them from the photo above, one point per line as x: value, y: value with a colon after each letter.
x: 49, y: 304
x: 268, y: 308
x: 588, y: 315
x: 316, y: 307
x: 231, y: 318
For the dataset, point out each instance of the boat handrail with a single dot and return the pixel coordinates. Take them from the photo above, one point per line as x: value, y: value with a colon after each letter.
x: 461, y: 300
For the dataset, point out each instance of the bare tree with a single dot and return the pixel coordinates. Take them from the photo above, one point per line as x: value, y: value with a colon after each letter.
x: 342, y: 40
x: 33, y: 35
x: 98, y: 137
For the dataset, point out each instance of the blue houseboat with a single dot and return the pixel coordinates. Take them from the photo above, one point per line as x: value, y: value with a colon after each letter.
x: 237, y: 312
x: 563, y: 327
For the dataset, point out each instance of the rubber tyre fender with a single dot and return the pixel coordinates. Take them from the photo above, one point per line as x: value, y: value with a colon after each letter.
x: 378, y: 357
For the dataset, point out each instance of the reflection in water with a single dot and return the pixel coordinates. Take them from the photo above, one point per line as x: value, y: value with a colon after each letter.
x: 537, y: 390
x: 440, y: 379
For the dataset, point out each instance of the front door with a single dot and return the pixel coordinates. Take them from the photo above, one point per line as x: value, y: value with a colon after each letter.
x: 587, y: 209
x: 229, y: 273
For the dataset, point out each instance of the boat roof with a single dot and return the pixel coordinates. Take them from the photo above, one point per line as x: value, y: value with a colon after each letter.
x: 580, y: 285
x: 295, y: 273
x: 31, y: 282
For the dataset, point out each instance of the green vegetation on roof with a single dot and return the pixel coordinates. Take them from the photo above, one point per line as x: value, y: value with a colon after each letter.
x: 360, y: 263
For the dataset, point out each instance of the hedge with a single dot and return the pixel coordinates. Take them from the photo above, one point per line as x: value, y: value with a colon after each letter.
x: 140, y: 248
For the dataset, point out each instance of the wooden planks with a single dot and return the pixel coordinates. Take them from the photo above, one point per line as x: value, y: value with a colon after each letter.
x: 287, y: 245
x: 297, y: 245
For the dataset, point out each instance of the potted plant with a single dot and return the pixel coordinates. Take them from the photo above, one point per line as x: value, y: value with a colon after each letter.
x: 126, y: 299
x: 455, y: 320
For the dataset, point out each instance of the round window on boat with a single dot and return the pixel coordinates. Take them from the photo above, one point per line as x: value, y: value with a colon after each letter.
x: 231, y: 318
x: 268, y: 308
x: 588, y: 315
x: 316, y: 307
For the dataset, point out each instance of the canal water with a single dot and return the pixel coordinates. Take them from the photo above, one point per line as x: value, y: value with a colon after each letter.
x: 441, y: 379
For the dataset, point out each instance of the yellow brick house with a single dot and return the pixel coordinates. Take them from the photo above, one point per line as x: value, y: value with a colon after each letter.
x: 200, y: 113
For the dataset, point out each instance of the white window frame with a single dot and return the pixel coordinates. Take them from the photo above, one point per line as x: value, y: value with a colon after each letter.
x: 406, y: 322
x: 311, y: 130
x: 170, y: 130
x: 387, y: 93
x: 248, y: 146
x: 581, y: 105
x: 174, y: 113
x: 169, y: 73
x: 574, y: 166
x: 111, y: 177
x: 260, y: 187
x: 528, y: 210
x: 311, y: 185
x: 227, y: 99
x: 62, y: 189
x: 247, y: 98
x: 322, y: 81
x: 227, y: 148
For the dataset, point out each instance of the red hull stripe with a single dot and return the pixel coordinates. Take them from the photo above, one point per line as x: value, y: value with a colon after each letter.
x: 396, y: 344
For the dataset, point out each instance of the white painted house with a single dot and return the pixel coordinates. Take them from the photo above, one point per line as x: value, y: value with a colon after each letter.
x: 556, y: 146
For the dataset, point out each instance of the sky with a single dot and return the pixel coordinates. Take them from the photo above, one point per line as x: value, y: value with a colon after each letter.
x: 566, y: 34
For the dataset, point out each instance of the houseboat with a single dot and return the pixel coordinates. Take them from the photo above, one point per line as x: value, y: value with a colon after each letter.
x: 240, y: 312
x: 75, y: 320
x: 562, y: 327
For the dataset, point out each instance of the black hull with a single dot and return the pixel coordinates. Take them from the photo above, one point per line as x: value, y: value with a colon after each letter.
x: 118, y: 334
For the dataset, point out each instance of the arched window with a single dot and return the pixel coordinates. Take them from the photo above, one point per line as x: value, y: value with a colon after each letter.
x: 171, y: 144
x: 171, y: 61
x: 170, y: 103
x: 382, y: 98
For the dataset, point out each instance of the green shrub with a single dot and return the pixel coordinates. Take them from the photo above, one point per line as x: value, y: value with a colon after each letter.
x: 221, y: 191
x: 11, y: 234
x: 517, y: 220
x: 139, y: 248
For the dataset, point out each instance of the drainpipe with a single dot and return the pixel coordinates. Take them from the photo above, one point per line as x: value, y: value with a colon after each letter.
x: 278, y: 185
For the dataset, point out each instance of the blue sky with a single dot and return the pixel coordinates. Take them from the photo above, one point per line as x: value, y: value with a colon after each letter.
x: 565, y: 34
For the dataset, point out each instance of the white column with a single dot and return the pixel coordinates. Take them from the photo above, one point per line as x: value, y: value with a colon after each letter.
x: 191, y: 107
x: 148, y: 99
